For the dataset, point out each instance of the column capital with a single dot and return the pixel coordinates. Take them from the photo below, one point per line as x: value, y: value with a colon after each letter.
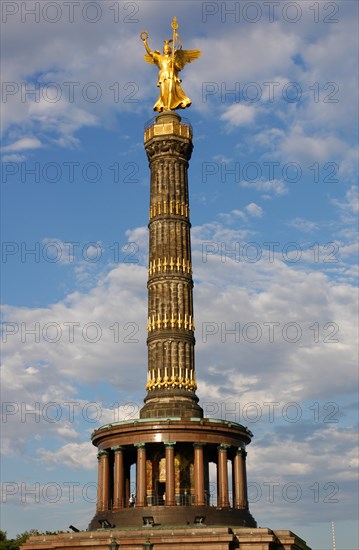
x: 241, y: 452
x: 117, y: 448
x: 102, y: 454
x: 199, y: 445
x: 169, y: 444
x: 223, y: 447
x: 140, y: 445
x: 169, y: 145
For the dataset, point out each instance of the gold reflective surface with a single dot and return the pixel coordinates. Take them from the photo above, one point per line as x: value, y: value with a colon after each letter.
x: 170, y: 63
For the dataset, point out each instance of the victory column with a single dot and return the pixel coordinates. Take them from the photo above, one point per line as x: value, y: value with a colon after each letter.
x: 171, y: 445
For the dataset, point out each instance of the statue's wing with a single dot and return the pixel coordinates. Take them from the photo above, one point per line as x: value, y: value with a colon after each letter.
x: 182, y: 57
x: 149, y: 59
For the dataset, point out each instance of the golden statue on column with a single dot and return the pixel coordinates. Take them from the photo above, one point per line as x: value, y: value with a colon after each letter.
x: 170, y: 63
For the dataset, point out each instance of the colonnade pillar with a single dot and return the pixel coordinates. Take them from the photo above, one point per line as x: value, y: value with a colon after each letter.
x: 141, y: 495
x: 170, y: 474
x: 198, y: 474
x: 121, y: 478
x: 99, y: 482
x: 223, y: 500
x: 118, y: 479
x: 103, y: 481
x: 240, y: 480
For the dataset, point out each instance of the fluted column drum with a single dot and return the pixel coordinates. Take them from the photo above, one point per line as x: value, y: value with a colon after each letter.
x: 171, y: 381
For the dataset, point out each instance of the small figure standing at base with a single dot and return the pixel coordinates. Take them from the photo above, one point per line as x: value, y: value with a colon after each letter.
x: 170, y: 63
x: 132, y: 501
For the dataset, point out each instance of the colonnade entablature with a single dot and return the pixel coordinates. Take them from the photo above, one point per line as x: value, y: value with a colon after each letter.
x: 156, y: 430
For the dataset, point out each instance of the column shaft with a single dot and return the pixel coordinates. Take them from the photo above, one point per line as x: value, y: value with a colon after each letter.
x: 240, y: 480
x: 198, y: 475
x: 168, y: 144
x: 99, y: 484
x: 119, y: 479
x: 105, y: 482
x: 170, y: 475
x: 223, y: 501
x: 103, y: 490
x: 141, y: 476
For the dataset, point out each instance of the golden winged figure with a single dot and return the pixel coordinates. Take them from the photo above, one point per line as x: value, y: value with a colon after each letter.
x: 170, y: 63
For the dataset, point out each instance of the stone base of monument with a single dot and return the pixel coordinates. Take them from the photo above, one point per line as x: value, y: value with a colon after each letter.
x: 197, y: 537
x: 162, y: 516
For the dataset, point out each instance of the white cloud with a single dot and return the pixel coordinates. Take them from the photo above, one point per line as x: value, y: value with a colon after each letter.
x: 351, y: 202
x: 299, y: 146
x: 222, y: 159
x: 23, y: 144
x: 304, y: 225
x: 60, y: 252
x: 292, y: 297
x: 349, y: 164
x: 233, y: 216
x: 254, y: 210
x: 239, y: 115
x: 275, y: 187
x: 62, y: 118
x: 72, y: 455
x: 14, y: 158
x: 251, y: 209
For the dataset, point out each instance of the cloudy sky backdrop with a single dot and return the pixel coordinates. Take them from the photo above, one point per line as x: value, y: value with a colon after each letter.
x: 273, y: 211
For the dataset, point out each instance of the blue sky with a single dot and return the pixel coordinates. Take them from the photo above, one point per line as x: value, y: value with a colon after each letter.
x: 273, y: 193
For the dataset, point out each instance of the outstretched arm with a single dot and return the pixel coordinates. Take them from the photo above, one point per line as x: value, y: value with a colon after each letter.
x: 150, y: 57
x: 144, y: 37
x: 148, y: 50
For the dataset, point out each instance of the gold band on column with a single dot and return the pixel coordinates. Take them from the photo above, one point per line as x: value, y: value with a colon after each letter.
x: 170, y: 265
x: 170, y: 320
x: 173, y: 207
